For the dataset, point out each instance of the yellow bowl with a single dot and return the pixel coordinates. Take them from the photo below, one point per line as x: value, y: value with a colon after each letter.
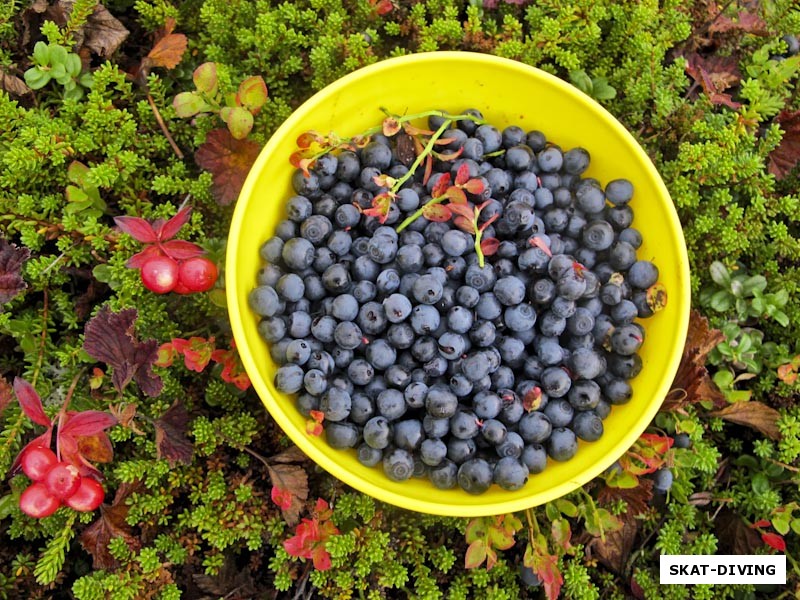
x: 507, y: 93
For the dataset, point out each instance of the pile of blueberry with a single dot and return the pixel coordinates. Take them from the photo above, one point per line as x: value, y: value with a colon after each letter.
x: 426, y: 362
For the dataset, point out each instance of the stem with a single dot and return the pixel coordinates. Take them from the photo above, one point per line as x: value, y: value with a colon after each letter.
x: 478, y: 249
x: 421, y: 156
x: 62, y: 414
x: 163, y: 127
x: 418, y: 213
x: 43, y: 340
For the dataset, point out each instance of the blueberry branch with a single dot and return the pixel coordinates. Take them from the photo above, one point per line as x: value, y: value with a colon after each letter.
x: 418, y: 213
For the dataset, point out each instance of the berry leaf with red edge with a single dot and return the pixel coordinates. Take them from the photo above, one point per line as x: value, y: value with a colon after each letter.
x: 252, y: 94
x: 232, y: 368
x: 456, y: 195
x: 390, y: 126
x: 291, y: 481
x: 171, y: 441
x: 381, y: 204
x: 462, y: 175
x: 238, y: 119
x: 488, y: 222
x: 109, y: 337
x: 463, y: 210
x: 30, y: 402
x: 167, y: 52
x: 474, y: 186
x: 87, y: 423
x: 11, y: 260
x: 82, y: 439
x: 545, y: 565
x: 306, y: 139
x: 138, y: 260
x: 228, y: 160
x: 441, y: 185
x: 446, y: 156
x: 489, y: 246
x: 205, y: 78
x: 775, y: 541
x: 475, y: 555
x: 436, y: 212
x: 304, y: 163
x: 138, y: 228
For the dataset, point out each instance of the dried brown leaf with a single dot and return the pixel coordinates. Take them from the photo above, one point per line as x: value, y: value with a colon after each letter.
x: 745, y: 22
x: 11, y: 261
x: 168, y: 51
x: 103, y: 33
x: 293, y: 479
x: 692, y: 382
x: 637, y: 499
x: 714, y: 75
x: 228, y: 160
x: 752, y: 414
x: 785, y: 158
x: 12, y: 84
x: 110, y: 525
x: 292, y: 454
x: 406, y: 152
x: 171, y: 441
x: 734, y: 535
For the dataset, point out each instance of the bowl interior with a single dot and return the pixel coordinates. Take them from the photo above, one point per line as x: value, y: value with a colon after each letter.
x: 507, y: 93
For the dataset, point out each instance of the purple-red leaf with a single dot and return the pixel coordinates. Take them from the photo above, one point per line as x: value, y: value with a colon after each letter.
x: 169, y: 229
x: 88, y: 423
x: 229, y: 161
x: 489, y: 246
x: 464, y: 224
x: 137, y: 228
x: 11, y: 261
x: 441, y: 185
x: 456, y: 195
x: 474, y: 186
x: 436, y: 212
x: 784, y: 158
x: 462, y: 175
x: 109, y: 337
x: 181, y: 249
x: 463, y: 210
x: 171, y: 441
x: 30, y: 402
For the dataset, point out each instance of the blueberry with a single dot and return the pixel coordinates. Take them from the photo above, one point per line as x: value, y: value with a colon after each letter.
x: 588, y: 426
x: 388, y: 281
x: 626, y: 367
x: 455, y: 242
x: 624, y: 312
x: 424, y: 349
x: 460, y: 385
x: 551, y: 325
x: 321, y: 361
x: 335, y: 403
x: 627, y: 339
x: 475, y: 476
x: 662, y: 480
x: 590, y: 200
x: 368, y: 456
x: 432, y: 451
x: 444, y: 475
x: 372, y: 318
x: 598, y: 235
x: 559, y: 412
x: 584, y: 394
x: 272, y: 249
x: 452, y: 345
x: 341, y: 435
x: 459, y: 319
x: 272, y: 329
x: 289, y: 379
x: 435, y: 427
x: 424, y: 319
x: 348, y: 335
x: 341, y: 357
x: 316, y: 229
x: 400, y: 335
x: 550, y: 159
x: 556, y: 381
x: 619, y: 191
x: 481, y: 278
x: 512, y: 445
x: 585, y: 363
x: 298, y: 253
x: 268, y: 275
x: 534, y: 456
x: 642, y: 274
x: 535, y: 427
x: 427, y: 289
x: 682, y: 440
x: 631, y: 236
x: 562, y: 445
x: 509, y: 291
x: 408, y: 434
x: 398, y: 464
x: 410, y: 258
x: 488, y: 307
x: 576, y: 161
x: 441, y: 402
x: 463, y: 425
x: 298, y: 352
x: 264, y: 301
x: 391, y: 404
x: 510, y: 474
x: 415, y: 394
x: 360, y: 372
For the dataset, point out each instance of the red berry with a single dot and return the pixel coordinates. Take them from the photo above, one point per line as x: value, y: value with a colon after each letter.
x: 198, y: 274
x: 160, y: 274
x: 62, y: 480
x: 89, y: 496
x: 37, y: 502
x: 181, y: 288
x: 37, y: 461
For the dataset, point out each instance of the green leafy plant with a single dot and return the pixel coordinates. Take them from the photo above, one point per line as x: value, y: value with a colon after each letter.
x: 55, y: 62
x: 596, y: 87
x: 235, y: 109
x: 744, y: 294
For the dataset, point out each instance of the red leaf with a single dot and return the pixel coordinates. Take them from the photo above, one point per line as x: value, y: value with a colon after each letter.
x: 168, y: 51
x: 441, y: 185
x: 87, y: 423
x: 436, y: 212
x: 181, y: 249
x: 465, y: 211
x: 746, y: 22
x: 30, y: 402
x: 228, y: 160
x: 489, y: 246
x: 462, y: 175
x: 137, y: 228
x: 137, y: 260
x: 714, y: 78
x: 784, y: 158
x: 11, y: 260
x: 464, y: 224
x: 449, y: 155
x: 282, y: 498
x: 541, y: 244
x: 474, y: 186
x: 169, y: 229
x: 171, y: 441
x: 762, y: 523
x: 298, y: 161
x: 773, y: 540
x: 488, y: 222
x: 456, y: 195
x: 289, y: 489
x: 109, y: 337
x: 306, y: 139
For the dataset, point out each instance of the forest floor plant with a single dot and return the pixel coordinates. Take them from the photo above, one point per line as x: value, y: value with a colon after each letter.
x: 127, y: 128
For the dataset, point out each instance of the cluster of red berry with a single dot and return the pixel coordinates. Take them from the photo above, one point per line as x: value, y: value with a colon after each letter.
x: 55, y: 482
x: 166, y: 264
x: 163, y: 274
